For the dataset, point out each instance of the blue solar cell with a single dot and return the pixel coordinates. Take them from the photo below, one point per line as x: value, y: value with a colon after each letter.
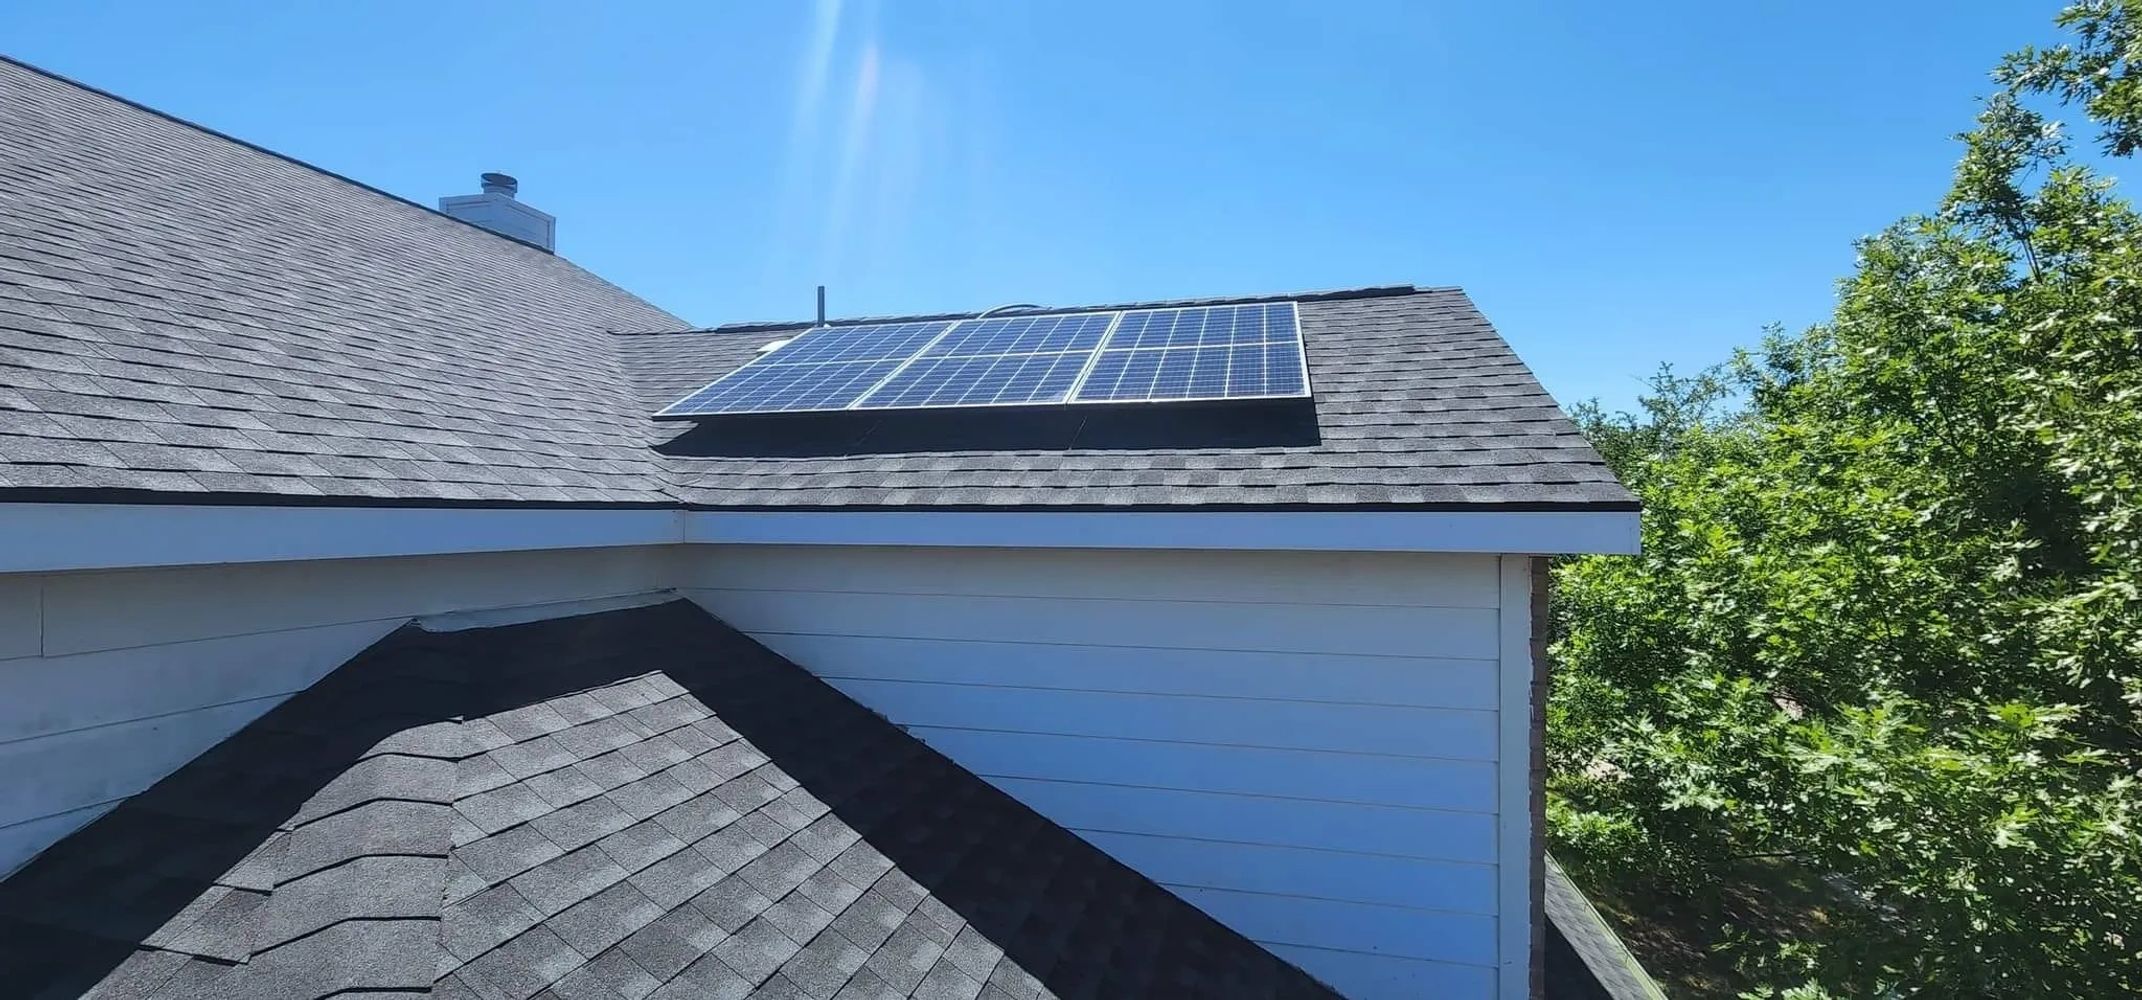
x: 1205, y: 326
x: 1000, y: 380
x: 868, y: 342
x: 785, y: 388
x: 1023, y: 335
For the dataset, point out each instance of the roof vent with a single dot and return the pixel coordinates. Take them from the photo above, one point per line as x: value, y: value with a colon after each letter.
x: 498, y: 210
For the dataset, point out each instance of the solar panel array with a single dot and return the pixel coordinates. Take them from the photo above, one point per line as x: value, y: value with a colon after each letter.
x: 1230, y: 352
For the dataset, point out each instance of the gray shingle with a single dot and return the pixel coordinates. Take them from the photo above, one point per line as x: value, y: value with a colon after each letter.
x: 592, y: 925
x: 672, y: 941
x: 365, y: 889
x: 946, y: 982
x: 562, y: 881
x: 504, y: 855
x: 756, y: 950
x: 523, y: 966
x: 485, y: 920
x: 640, y: 845
x: 582, y: 822
x: 613, y: 975
x: 373, y: 829
x: 502, y: 807
x: 348, y: 957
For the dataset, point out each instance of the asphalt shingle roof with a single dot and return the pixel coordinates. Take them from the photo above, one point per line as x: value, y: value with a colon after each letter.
x: 634, y: 805
x: 1418, y: 403
x: 184, y: 315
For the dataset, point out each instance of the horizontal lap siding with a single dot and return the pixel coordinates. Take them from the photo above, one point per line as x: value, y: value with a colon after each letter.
x: 1283, y: 628
x: 1373, y: 680
x: 110, y: 680
x: 1362, y: 729
x: 1302, y: 744
x: 1423, y: 783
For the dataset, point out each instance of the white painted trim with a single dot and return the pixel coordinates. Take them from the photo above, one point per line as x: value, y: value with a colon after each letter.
x: 1545, y: 532
x: 1514, y: 861
x: 41, y: 537
x: 44, y: 537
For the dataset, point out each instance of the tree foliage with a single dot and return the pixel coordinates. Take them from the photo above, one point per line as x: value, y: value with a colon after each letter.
x: 1887, y: 623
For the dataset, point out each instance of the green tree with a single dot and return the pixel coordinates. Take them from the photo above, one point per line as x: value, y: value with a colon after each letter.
x: 1887, y: 625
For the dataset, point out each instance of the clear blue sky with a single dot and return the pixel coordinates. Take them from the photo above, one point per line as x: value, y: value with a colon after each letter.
x: 1616, y: 184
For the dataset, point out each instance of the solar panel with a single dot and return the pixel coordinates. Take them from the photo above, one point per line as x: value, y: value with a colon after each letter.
x: 1206, y: 326
x: 1002, y: 361
x: 785, y: 389
x: 1247, y: 371
x: 826, y: 368
x: 870, y: 342
x: 1228, y: 352
x: 995, y: 380
x: 1206, y: 352
x: 1025, y: 335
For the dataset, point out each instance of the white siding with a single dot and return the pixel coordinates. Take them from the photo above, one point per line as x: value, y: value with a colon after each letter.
x: 109, y: 680
x: 1311, y: 746
x: 1305, y: 745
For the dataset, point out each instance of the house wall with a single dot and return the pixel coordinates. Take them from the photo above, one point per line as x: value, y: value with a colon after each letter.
x: 111, y: 679
x: 1307, y: 745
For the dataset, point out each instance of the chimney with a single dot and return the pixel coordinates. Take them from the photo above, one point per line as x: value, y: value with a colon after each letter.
x: 497, y: 210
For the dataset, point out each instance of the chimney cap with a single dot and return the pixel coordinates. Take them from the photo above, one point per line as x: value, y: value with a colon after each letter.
x: 497, y: 183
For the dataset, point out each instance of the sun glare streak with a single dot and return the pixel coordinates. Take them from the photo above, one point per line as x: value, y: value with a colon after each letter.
x: 856, y: 138
x: 864, y: 130
x: 817, y: 70
x: 800, y: 161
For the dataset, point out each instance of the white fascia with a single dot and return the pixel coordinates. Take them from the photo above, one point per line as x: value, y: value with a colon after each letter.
x: 36, y: 537
x: 47, y: 537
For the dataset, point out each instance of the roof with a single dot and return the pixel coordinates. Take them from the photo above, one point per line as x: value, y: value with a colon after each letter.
x: 182, y: 313
x: 1419, y: 402
x: 633, y: 804
x: 185, y: 316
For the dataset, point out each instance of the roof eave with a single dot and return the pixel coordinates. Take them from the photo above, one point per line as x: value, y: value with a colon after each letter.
x: 54, y: 537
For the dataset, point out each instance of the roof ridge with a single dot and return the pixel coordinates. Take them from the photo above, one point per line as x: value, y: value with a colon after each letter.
x: 258, y: 148
x: 1315, y: 295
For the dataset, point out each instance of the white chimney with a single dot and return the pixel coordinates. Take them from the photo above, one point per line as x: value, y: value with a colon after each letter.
x: 498, y: 211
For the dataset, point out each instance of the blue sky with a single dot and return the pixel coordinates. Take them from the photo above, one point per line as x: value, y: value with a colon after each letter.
x: 1616, y: 184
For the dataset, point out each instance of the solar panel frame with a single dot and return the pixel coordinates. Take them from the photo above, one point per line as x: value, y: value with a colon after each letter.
x: 933, y: 364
